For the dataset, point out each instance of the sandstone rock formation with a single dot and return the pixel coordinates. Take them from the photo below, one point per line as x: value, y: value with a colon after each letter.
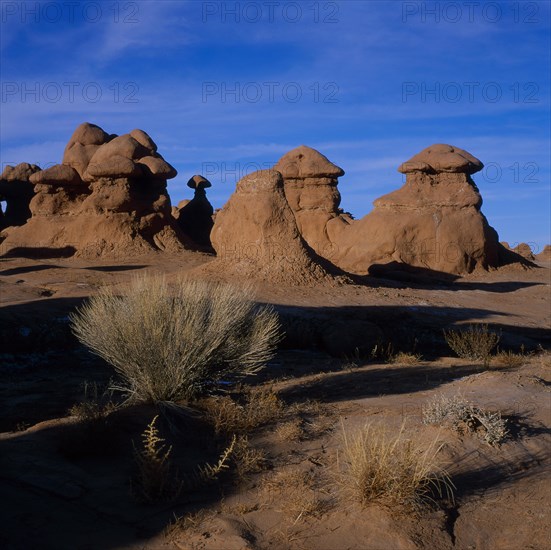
x: 58, y: 191
x: 82, y: 145
x: 441, y: 158
x: 255, y: 235
x: 17, y: 191
x: 545, y: 254
x: 522, y: 249
x: 311, y: 190
x: 434, y: 221
x: 107, y: 197
x: 195, y: 215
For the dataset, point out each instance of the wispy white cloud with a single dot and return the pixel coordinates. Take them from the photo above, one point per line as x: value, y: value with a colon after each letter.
x: 172, y: 49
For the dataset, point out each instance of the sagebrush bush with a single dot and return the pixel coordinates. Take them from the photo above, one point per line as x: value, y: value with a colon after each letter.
x: 460, y: 414
x: 171, y: 343
x: 381, y: 466
x: 475, y: 343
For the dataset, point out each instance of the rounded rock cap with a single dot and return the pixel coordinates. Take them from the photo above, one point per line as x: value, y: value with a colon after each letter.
x: 22, y: 172
x: 305, y: 162
x: 442, y: 158
x: 158, y: 167
x: 58, y: 174
x: 88, y: 134
x: 261, y: 181
x: 144, y: 139
x: 198, y: 182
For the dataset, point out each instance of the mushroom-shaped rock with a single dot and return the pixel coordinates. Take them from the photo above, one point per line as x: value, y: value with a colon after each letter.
x: 432, y: 222
x: 144, y: 139
x: 125, y: 209
x: 58, y: 190
x: 311, y: 181
x: 442, y: 158
x: 158, y: 167
x: 199, y: 182
x: 305, y: 162
x: 59, y: 174
x: 195, y: 215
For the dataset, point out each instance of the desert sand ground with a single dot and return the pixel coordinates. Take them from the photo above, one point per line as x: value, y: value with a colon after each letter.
x: 66, y: 481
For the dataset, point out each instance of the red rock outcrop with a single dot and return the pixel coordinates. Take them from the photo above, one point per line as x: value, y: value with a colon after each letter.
x: 311, y: 190
x: 107, y: 197
x: 256, y: 236
x: 545, y: 254
x: 522, y: 249
x: 434, y: 221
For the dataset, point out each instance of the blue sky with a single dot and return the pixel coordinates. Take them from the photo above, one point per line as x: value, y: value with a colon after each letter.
x: 225, y: 88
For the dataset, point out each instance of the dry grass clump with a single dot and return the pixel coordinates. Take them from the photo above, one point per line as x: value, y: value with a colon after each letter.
x: 475, y: 343
x: 259, y: 406
x: 382, y: 352
x: 96, y: 405
x: 404, y: 358
x: 378, y: 465
x: 461, y: 415
x: 170, y: 344
x: 187, y: 524
x: 352, y: 361
x: 545, y: 359
x: 154, y: 480
x: 302, y: 498
x: 310, y: 407
x: 247, y: 459
x: 508, y: 359
x: 290, y: 431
